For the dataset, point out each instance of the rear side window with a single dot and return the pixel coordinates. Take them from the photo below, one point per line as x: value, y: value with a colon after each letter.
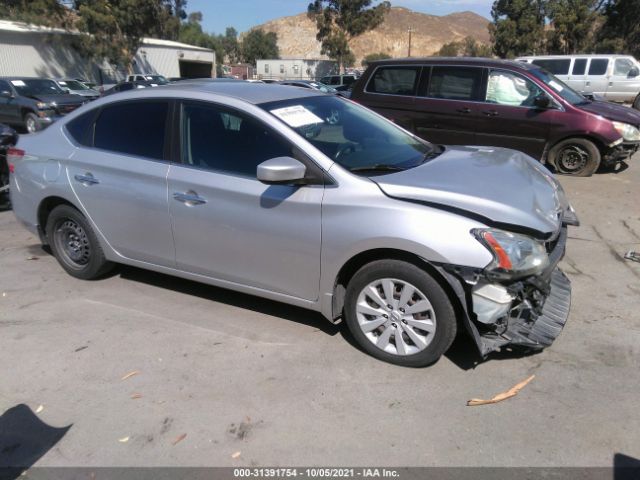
x: 81, y: 128
x: 598, y: 66
x: 579, y: 66
x: 394, y: 80
x: 455, y: 83
x: 133, y: 128
x: 557, y: 66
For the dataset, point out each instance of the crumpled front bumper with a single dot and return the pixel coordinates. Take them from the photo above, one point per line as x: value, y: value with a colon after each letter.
x: 537, y: 313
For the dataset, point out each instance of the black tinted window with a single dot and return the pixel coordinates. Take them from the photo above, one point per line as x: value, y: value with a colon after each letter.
x: 224, y: 140
x: 394, y: 80
x: 134, y: 128
x: 81, y: 128
x: 455, y: 83
x: 558, y: 66
x: 579, y: 66
x: 598, y: 66
x: 4, y: 86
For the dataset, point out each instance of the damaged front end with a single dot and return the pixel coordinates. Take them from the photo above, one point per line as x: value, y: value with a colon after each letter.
x: 525, y: 304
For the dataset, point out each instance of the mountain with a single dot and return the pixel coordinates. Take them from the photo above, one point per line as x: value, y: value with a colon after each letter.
x: 297, y: 34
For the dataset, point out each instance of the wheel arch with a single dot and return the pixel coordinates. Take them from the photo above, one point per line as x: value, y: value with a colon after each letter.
x: 45, y: 208
x: 361, y: 259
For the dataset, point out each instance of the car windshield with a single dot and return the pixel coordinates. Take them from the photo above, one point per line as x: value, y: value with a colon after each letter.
x: 73, y: 85
x: 37, y: 86
x: 323, y: 87
x: 558, y: 86
x: 159, y: 79
x: 356, y: 138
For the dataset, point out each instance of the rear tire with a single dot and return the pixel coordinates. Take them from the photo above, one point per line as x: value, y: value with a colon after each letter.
x: 575, y: 156
x: 75, y: 245
x: 412, y: 323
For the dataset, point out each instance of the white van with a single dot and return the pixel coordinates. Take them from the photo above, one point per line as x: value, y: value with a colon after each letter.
x: 614, y: 77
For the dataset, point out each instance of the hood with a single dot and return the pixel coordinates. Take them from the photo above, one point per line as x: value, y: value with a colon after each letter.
x: 504, y: 187
x: 62, y: 99
x: 86, y: 93
x: 614, y: 112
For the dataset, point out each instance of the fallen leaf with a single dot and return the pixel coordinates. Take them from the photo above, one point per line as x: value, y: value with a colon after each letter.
x: 40, y: 408
x: 136, y: 395
x: 79, y: 349
x: 235, y: 455
x: 130, y: 374
x: 123, y: 439
x: 179, y: 438
x: 512, y: 392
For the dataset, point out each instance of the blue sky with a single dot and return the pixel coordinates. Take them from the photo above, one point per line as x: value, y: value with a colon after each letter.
x: 243, y: 14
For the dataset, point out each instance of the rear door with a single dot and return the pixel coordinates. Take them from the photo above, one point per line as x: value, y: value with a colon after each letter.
x: 509, y: 116
x: 448, y: 107
x: 119, y: 175
x: 391, y: 92
x: 578, y: 74
x: 228, y: 225
x: 624, y: 83
x: 597, y: 80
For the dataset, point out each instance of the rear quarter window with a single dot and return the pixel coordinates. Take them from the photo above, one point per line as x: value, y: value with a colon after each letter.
x: 80, y: 129
x: 394, y: 81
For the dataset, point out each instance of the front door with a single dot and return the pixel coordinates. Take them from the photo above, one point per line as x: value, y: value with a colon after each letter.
x: 624, y: 82
x: 120, y: 180
x: 229, y: 226
x: 510, y: 118
x: 447, y: 105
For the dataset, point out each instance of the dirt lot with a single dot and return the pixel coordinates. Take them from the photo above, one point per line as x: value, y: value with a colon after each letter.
x: 282, y: 386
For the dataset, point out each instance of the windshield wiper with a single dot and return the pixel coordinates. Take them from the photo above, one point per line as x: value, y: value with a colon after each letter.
x: 380, y: 167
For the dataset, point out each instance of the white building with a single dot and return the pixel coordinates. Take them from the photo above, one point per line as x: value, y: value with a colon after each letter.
x: 295, y: 68
x: 35, y: 51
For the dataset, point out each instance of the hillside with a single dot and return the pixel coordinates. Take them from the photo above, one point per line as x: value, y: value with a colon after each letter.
x: 297, y: 34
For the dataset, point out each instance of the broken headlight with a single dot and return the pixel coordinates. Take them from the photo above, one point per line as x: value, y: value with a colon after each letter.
x: 513, y: 254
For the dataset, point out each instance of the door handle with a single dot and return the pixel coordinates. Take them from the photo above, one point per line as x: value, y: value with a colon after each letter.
x: 464, y: 110
x: 491, y: 113
x: 588, y: 84
x: 189, y: 198
x: 87, y: 179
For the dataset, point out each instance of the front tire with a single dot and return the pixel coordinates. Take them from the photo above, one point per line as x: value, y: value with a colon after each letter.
x: 575, y: 156
x: 399, y: 313
x: 636, y: 103
x: 30, y: 122
x: 75, y: 245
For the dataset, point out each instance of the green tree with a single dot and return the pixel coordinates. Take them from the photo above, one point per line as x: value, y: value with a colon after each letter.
x: 574, y: 24
x: 451, y: 49
x: 339, y: 21
x: 51, y: 13
x: 467, y: 47
x: 518, y: 27
x: 231, y: 45
x: 191, y: 32
x: 114, y: 29
x: 372, y: 57
x: 258, y: 44
x: 620, y: 32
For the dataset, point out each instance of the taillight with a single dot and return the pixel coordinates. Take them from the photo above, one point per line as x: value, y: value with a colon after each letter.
x: 14, y: 154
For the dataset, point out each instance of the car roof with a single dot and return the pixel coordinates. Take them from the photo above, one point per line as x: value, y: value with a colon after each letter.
x: 590, y: 55
x: 472, y: 61
x: 255, y: 93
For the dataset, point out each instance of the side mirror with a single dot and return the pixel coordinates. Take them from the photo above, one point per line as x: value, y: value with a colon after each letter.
x: 6, y: 94
x: 281, y: 170
x: 634, y: 72
x: 542, y: 102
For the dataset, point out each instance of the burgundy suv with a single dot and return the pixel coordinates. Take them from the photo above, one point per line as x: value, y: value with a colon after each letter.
x: 481, y: 101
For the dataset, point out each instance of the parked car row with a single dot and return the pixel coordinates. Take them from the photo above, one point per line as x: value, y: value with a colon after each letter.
x: 499, y: 103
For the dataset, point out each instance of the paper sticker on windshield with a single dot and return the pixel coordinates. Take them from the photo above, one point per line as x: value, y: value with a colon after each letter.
x: 18, y: 83
x: 296, y: 116
x: 556, y: 86
x: 62, y: 83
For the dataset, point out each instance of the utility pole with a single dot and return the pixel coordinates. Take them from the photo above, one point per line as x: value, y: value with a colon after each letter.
x: 410, y: 31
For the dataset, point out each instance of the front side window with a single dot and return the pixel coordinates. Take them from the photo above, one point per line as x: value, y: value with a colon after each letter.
x: 622, y: 66
x: 558, y: 86
x: 598, y: 66
x: 394, y: 80
x: 223, y: 140
x: 506, y: 88
x: 556, y: 66
x: 579, y: 66
x: 351, y: 135
x: 455, y: 83
x: 133, y: 128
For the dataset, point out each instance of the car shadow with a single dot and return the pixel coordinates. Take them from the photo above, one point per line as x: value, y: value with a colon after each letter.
x: 230, y: 297
x: 24, y: 439
x: 464, y: 353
